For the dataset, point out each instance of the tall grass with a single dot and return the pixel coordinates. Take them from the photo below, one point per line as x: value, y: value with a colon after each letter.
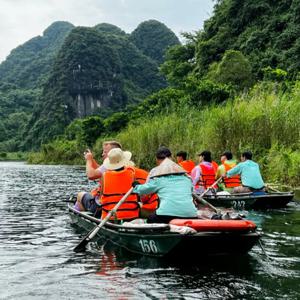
x: 264, y: 121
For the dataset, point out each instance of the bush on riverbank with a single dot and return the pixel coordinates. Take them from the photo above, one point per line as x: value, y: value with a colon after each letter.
x: 13, y: 156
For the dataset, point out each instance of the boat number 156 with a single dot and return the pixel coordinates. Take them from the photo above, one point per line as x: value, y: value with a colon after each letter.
x: 148, y: 246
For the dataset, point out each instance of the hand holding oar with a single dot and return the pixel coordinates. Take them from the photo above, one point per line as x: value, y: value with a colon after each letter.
x: 81, y: 246
x: 200, y: 198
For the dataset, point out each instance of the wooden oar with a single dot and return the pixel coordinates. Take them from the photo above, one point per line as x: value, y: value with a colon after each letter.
x: 200, y: 198
x: 81, y: 246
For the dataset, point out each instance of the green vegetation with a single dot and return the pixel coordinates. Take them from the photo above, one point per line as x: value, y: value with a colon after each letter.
x: 264, y: 120
x: 13, y: 156
x: 153, y: 38
x: 71, y: 73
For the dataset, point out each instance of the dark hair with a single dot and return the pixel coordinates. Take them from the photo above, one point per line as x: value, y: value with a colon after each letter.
x: 228, y: 154
x: 182, y: 154
x: 206, y: 155
x: 247, y: 154
x: 163, y: 152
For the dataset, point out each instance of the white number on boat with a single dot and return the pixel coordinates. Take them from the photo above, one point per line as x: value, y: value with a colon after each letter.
x: 238, y: 204
x: 148, y: 246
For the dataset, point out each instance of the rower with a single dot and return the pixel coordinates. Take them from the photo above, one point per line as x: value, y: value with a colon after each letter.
x: 250, y: 175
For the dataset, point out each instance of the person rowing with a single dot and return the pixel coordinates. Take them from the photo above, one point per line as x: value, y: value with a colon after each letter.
x: 250, y: 175
x: 173, y: 187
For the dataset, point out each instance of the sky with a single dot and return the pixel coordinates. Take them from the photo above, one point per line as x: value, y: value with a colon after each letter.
x: 21, y: 20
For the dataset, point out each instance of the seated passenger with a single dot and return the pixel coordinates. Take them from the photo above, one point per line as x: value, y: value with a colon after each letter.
x: 204, y: 174
x: 115, y: 183
x: 94, y: 171
x: 173, y: 187
x: 148, y: 203
x: 227, y: 163
x: 250, y: 175
x: 188, y: 165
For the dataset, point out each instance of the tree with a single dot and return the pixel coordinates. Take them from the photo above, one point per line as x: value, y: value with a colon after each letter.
x: 234, y: 69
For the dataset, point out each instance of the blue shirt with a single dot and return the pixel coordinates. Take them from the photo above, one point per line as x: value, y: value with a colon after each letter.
x: 249, y: 172
x: 175, y: 195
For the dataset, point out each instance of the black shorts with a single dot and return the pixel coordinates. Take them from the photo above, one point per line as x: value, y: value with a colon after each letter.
x: 89, y: 204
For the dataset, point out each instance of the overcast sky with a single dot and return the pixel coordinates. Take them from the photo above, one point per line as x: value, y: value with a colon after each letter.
x: 21, y: 20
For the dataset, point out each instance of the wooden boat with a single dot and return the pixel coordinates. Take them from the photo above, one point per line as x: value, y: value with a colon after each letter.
x: 159, y: 241
x: 251, y: 200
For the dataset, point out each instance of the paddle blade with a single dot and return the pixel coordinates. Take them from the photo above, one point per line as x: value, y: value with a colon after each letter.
x: 81, y: 247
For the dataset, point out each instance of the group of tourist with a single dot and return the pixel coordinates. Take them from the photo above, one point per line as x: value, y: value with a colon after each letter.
x: 166, y: 192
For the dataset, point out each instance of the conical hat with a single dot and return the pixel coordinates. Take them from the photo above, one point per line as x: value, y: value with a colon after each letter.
x: 167, y: 167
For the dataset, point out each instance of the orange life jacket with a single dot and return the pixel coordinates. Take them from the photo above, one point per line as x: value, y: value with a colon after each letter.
x: 188, y: 165
x: 232, y: 181
x: 150, y: 202
x: 208, y: 175
x: 215, y: 165
x: 115, y: 184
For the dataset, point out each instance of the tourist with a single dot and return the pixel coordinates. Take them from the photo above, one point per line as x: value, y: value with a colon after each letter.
x: 94, y: 171
x: 227, y: 163
x: 173, y: 187
x: 203, y: 175
x: 250, y: 175
x: 188, y: 165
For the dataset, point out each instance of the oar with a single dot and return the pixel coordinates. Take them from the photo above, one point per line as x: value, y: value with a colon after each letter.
x: 200, y: 198
x: 81, y: 246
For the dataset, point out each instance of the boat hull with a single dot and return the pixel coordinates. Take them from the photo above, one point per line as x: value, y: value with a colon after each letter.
x: 250, y: 201
x: 163, y: 243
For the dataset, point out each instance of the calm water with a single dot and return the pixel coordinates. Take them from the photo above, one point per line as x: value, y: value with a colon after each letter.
x: 37, y: 261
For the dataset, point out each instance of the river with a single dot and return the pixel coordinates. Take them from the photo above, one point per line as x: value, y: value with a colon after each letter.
x: 37, y: 259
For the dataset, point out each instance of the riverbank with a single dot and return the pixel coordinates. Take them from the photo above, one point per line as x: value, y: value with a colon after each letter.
x: 13, y: 156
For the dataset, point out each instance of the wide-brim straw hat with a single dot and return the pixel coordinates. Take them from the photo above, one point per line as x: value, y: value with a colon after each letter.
x: 167, y: 167
x: 116, y: 159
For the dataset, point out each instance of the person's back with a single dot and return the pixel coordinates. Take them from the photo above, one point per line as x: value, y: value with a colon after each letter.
x: 149, y: 203
x: 250, y: 174
x: 175, y: 195
x: 227, y: 163
x: 173, y: 187
x: 186, y: 164
x: 203, y: 175
x: 116, y: 182
x: 115, y: 185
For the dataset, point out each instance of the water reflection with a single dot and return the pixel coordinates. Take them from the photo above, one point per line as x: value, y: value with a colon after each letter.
x: 37, y: 261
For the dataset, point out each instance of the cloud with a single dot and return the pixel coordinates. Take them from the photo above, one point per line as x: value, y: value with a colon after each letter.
x: 21, y: 20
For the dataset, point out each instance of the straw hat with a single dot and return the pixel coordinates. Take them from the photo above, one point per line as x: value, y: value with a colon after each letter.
x: 116, y: 159
x: 167, y: 167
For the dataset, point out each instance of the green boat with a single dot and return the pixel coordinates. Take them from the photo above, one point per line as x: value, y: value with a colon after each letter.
x: 251, y: 200
x: 158, y: 240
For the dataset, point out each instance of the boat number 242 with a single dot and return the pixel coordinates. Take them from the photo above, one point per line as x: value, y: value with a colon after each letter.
x: 148, y: 246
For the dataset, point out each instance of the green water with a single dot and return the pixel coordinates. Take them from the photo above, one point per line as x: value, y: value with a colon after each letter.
x: 37, y: 259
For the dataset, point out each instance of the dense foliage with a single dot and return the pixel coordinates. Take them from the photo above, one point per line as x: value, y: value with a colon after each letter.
x: 153, y: 39
x: 46, y: 76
